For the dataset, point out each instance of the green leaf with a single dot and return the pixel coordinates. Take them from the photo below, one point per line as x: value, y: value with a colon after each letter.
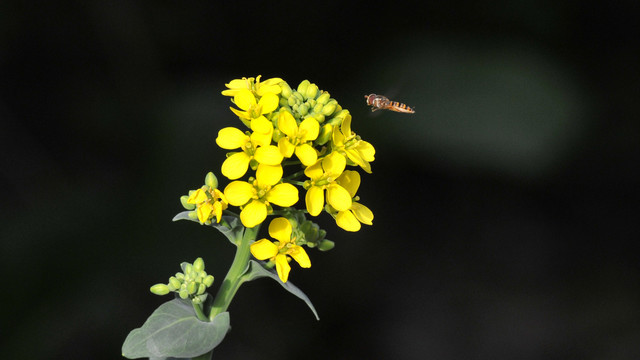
x: 229, y: 226
x: 174, y: 331
x: 255, y: 270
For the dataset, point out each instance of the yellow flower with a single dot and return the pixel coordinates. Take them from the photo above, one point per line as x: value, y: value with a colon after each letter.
x: 252, y: 109
x: 349, y: 144
x: 279, y: 252
x: 255, y: 147
x: 351, y: 218
x: 209, y: 203
x: 298, y: 138
x: 323, y: 175
x: 257, y: 87
x: 256, y: 198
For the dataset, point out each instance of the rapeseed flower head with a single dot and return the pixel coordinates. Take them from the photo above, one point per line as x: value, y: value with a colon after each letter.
x: 280, y: 251
x: 347, y: 143
x: 297, y: 139
x: 209, y: 203
x: 252, y: 109
x: 254, y: 85
x: 255, y: 197
x: 323, y: 175
x: 254, y: 147
x: 351, y: 218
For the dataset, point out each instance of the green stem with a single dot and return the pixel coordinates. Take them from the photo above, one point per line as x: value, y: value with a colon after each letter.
x: 233, y: 280
x: 295, y: 175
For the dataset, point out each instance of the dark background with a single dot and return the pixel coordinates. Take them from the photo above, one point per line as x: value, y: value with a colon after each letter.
x: 506, y: 208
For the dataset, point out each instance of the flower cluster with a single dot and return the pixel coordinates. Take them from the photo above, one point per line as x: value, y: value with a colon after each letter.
x: 191, y: 283
x: 295, y: 139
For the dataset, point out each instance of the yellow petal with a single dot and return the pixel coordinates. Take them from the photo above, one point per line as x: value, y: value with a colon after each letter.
x: 300, y: 256
x: 280, y: 229
x: 286, y: 147
x: 238, y: 84
x: 315, y: 200
x: 367, y: 151
x: 338, y: 197
x: 262, y: 125
x: 347, y: 221
x: 287, y: 124
x: 284, y: 195
x: 307, y: 154
x: 217, y: 210
x: 204, y: 211
x: 271, y: 82
x: 264, y: 88
x: 253, y: 214
x: 269, y: 102
x: 197, y: 197
x: 244, y: 99
x: 282, y: 267
x: 362, y: 213
x: 268, y: 155
x: 336, y: 136
x: 231, y: 138
x: 350, y: 180
x: 345, y: 128
x: 334, y: 164
x: 240, y: 114
x: 268, y: 175
x: 264, y: 249
x: 236, y: 165
x: 354, y: 155
x: 309, y: 129
x: 239, y: 193
x: 314, y: 172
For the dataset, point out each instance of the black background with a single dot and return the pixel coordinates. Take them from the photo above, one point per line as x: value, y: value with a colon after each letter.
x: 506, y: 208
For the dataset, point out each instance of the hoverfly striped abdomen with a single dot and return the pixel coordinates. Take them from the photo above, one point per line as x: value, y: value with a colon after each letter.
x: 378, y: 102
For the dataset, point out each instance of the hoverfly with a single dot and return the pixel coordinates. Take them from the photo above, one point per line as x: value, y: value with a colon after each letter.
x: 378, y: 102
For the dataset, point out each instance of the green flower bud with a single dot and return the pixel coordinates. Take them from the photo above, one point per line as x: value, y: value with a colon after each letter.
x: 208, y: 281
x: 302, y: 88
x: 184, y: 294
x: 185, y: 204
x: 159, y: 289
x: 323, y: 98
x: 325, y: 134
x: 211, y: 180
x: 198, y: 265
x: 298, y: 96
x: 292, y: 101
x: 326, y: 245
x: 303, y: 109
x: 192, y: 288
x: 286, y: 90
x: 312, y: 103
x: 284, y: 101
x: 311, y: 92
x: 318, y: 108
x: 328, y: 109
x: 319, y: 117
x: 174, y: 283
x: 180, y: 276
x: 201, y: 289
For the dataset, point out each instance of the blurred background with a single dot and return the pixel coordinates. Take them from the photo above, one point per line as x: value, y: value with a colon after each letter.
x: 506, y: 208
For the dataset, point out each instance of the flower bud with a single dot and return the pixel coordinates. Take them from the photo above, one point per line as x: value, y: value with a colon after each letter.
x: 328, y: 109
x: 311, y: 92
x: 286, y: 90
x: 208, y: 281
x: 185, y: 204
x: 174, y: 283
x: 326, y: 245
x: 292, y: 101
x: 211, y: 180
x: 312, y: 103
x: 324, y: 98
x: 318, y: 108
x: 325, y: 134
x: 183, y: 294
x: 192, y: 288
x: 201, y: 289
x: 298, y: 96
x: 303, y: 109
x: 302, y: 88
x: 198, y: 265
x: 159, y: 289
